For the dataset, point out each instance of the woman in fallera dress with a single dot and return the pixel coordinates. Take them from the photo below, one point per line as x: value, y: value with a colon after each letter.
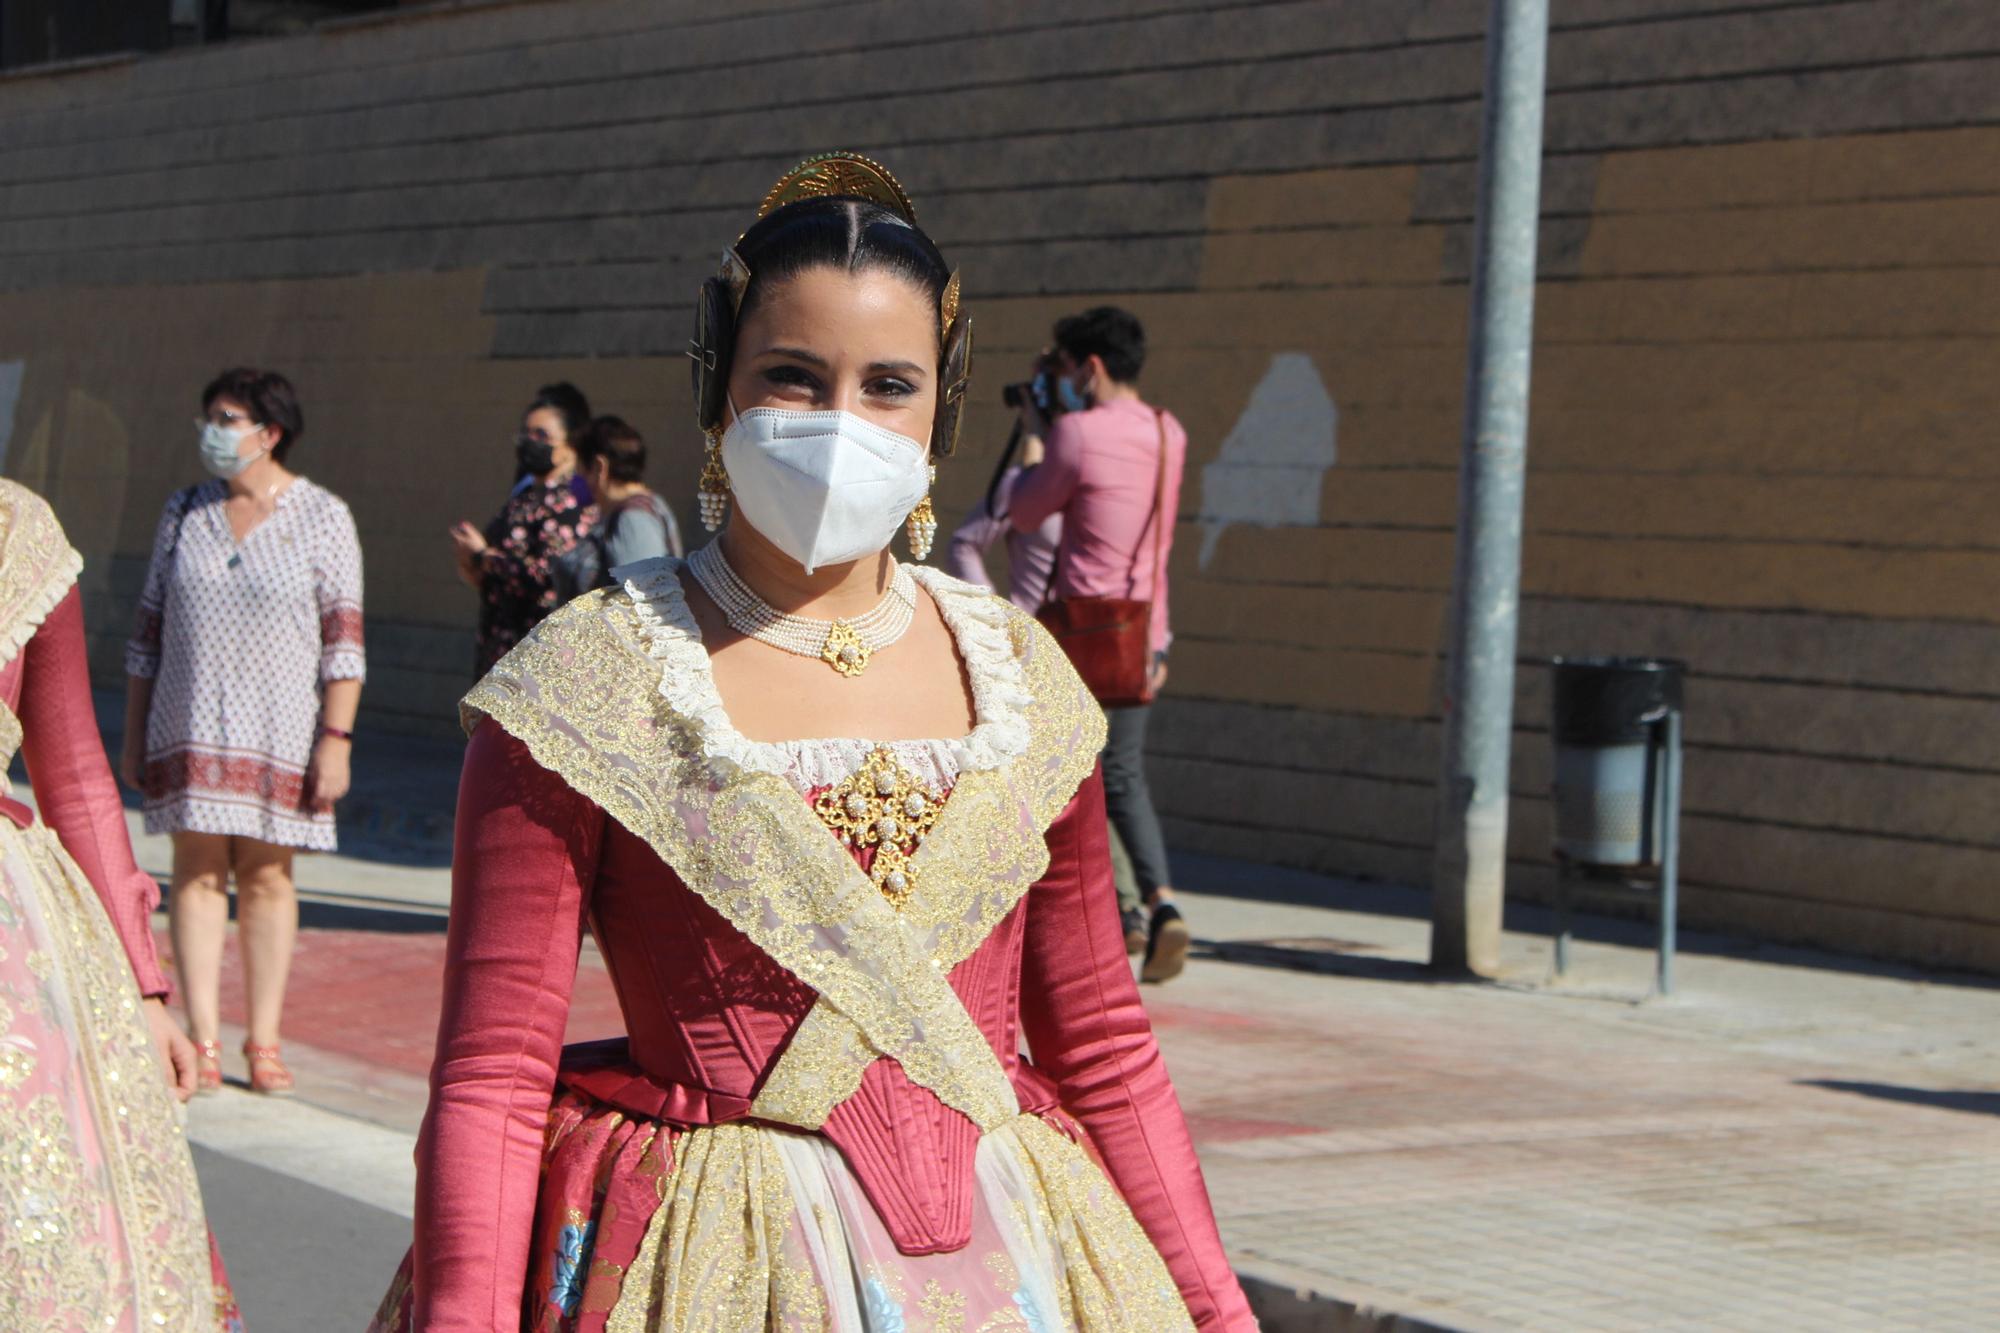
x: 101, y: 1223
x: 836, y: 824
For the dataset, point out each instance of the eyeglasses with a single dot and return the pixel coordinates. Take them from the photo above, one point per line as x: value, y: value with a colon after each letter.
x: 223, y: 417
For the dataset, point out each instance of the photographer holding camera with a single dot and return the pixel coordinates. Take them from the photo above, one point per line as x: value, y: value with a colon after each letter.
x: 1031, y: 556
x: 1110, y: 466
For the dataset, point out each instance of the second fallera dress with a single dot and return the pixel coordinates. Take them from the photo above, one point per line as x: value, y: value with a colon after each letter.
x: 101, y: 1222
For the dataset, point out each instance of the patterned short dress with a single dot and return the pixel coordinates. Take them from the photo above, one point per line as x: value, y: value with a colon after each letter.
x: 240, y: 638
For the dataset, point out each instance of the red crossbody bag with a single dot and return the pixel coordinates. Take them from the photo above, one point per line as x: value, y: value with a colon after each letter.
x: 1110, y: 639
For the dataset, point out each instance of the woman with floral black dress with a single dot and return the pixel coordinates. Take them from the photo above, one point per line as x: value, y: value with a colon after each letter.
x: 511, y: 562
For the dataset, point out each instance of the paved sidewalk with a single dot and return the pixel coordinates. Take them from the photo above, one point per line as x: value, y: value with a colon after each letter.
x: 1795, y: 1141
x: 1788, y: 1144
x: 1792, y: 1143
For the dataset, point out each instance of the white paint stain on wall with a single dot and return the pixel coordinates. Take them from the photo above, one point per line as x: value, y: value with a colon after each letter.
x: 11, y: 375
x: 1274, y: 460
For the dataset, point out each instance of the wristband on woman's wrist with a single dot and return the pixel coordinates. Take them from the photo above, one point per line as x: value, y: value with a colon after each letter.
x: 337, y: 734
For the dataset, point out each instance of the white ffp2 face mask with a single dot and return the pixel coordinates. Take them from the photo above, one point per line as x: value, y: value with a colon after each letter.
x: 824, y: 487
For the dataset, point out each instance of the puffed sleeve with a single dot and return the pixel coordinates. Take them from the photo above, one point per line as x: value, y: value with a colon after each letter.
x: 524, y: 855
x: 142, y: 650
x: 73, y: 785
x: 337, y: 589
x: 1087, y: 1029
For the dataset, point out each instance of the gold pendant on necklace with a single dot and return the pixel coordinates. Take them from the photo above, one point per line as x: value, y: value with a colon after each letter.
x: 845, y: 650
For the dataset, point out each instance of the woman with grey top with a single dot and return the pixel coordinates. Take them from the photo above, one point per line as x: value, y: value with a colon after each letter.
x: 632, y: 522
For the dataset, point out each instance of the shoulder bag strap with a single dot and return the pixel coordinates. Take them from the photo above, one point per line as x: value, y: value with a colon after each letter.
x: 180, y: 524
x: 1159, y: 522
x: 1156, y: 521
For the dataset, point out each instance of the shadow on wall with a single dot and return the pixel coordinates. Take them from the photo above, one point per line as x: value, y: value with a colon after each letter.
x: 74, y: 451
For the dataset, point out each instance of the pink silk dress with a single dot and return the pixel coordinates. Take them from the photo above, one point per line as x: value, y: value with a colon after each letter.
x: 98, y: 1200
x: 665, y: 1181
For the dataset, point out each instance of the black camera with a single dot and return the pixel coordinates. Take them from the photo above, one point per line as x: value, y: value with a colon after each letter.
x: 1041, y: 390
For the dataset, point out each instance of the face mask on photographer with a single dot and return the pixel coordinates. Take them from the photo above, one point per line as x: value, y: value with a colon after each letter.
x: 1072, y: 398
x: 824, y: 487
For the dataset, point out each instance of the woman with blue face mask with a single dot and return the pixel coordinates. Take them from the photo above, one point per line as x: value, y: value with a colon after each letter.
x: 835, y: 820
x: 244, y: 676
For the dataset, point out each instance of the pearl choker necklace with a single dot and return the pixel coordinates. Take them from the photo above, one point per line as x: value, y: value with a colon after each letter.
x: 844, y: 645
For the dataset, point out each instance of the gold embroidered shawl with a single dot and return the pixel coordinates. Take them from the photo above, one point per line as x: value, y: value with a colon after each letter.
x: 592, y: 693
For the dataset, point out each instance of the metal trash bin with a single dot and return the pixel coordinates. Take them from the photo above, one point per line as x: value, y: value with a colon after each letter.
x: 1616, y: 726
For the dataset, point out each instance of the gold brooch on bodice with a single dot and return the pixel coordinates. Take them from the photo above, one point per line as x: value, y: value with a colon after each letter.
x: 882, y: 806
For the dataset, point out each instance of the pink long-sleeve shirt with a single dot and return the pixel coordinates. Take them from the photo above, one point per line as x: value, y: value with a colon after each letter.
x: 1100, y: 474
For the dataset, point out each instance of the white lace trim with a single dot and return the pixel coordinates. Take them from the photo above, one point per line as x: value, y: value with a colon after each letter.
x: 57, y: 580
x: 830, y: 760
x: 978, y: 623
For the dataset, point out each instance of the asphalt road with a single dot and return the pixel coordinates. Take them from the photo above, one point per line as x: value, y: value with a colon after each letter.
x: 302, y: 1259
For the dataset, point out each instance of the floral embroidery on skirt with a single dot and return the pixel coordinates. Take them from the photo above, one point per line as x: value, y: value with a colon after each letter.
x: 103, y: 1219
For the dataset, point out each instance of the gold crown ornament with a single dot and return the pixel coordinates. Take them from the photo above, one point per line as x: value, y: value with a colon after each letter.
x: 824, y: 176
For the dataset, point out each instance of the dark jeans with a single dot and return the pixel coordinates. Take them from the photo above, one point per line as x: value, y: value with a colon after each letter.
x: 1127, y: 800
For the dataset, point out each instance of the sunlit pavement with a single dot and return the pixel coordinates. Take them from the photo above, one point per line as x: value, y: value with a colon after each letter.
x: 1796, y: 1140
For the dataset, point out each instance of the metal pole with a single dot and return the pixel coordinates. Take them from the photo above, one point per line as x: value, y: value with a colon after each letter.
x: 1564, y: 924
x: 1471, y: 862
x: 1670, y: 850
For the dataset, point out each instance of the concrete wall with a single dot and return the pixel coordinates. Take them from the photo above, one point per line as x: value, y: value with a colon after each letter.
x: 1763, y: 392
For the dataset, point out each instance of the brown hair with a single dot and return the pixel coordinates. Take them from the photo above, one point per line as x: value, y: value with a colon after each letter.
x: 269, y: 396
x: 618, y: 444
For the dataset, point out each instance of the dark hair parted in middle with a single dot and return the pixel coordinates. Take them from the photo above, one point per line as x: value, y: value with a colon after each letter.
x: 835, y: 232
x: 618, y: 444
x: 841, y: 232
x: 1108, y: 332
x: 568, y: 402
x: 269, y: 396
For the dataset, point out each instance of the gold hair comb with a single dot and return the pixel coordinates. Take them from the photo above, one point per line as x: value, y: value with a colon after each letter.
x: 830, y: 174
